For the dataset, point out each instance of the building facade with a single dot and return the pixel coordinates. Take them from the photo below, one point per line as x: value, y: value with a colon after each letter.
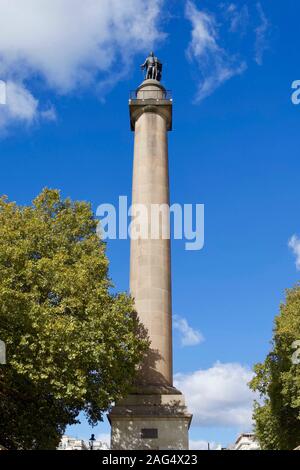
x: 71, y: 443
x: 246, y: 441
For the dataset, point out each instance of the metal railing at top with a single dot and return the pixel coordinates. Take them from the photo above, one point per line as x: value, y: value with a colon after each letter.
x: 150, y: 95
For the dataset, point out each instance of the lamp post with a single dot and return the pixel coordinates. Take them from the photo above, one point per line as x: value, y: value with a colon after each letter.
x: 91, y: 441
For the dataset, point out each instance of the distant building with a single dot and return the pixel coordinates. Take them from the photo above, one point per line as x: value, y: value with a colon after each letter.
x: 246, y: 441
x: 99, y: 445
x: 71, y: 443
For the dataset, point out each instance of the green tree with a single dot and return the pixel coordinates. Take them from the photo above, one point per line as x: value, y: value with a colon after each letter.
x: 72, y: 346
x: 277, y: 380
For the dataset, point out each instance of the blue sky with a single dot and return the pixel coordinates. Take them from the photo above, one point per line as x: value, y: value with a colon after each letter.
x: 234, y: 147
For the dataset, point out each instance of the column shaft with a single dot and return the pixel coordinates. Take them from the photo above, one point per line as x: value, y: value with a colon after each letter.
x: 150, y: 264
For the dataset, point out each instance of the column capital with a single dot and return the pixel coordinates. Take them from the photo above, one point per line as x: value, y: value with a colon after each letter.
x: 151, y: 97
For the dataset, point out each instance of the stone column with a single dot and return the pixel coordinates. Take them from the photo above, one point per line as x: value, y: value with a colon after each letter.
x: 154, y: 415
x: 150, y: 264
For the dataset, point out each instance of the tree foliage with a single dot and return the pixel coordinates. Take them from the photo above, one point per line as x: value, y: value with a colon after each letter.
x: 72, y: 346
x: 277, y: 380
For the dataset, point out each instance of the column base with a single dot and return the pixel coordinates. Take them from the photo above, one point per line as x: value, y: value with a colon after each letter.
x: 156, y: 420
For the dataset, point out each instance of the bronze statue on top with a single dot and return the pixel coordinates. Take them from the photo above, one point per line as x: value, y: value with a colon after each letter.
x: 153, y: 68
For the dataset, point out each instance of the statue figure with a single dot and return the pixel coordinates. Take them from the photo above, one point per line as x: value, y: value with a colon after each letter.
x: 153, y: 68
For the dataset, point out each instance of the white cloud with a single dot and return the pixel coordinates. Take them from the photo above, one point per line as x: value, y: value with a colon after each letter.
x: 20, y: 106
x: 49, y: 114
x: 70, y: 44
x: 215, y: 64
x: 238, y: 18
x: 2, y: 92
x: 219, y: 396
x: 20, y: 103
x: 242, y: 27
x: 261, y: 31
x: 294, y: 245
x: 189, y: 336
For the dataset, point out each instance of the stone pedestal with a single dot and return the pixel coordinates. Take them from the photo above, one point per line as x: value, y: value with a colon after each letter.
x: 157, y: 421
x: 154, y: 416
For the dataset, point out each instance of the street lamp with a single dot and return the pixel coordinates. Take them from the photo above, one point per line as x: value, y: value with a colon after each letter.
x: 91, y: 441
